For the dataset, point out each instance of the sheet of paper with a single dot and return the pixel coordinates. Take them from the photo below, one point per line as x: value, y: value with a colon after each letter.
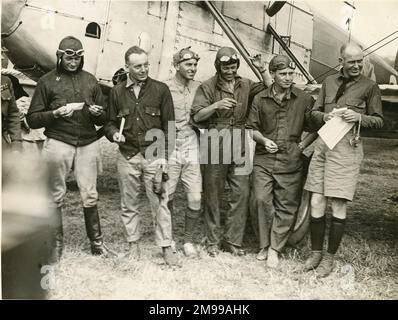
x: 334, y: 130
x: 75, y: 105
x: 121, y: 127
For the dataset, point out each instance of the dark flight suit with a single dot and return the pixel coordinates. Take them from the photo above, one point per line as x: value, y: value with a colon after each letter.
x: 277, y: 177
x: 215, y: 175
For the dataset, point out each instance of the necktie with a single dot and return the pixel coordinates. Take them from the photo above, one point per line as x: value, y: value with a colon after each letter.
x: 341, y: 89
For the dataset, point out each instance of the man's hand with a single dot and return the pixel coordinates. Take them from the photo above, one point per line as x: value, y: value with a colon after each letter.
x: 270, y: 145
x: 328, y: 116
x: 259, y: 63
x: 225, y: 104
x: 118, y: 138
x: 96, y: 110
x: 351, y: 116
x: 63, y: 111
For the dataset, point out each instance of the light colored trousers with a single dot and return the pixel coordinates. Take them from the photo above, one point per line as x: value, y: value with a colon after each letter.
x: 60, y: 157
x: 130, y: 172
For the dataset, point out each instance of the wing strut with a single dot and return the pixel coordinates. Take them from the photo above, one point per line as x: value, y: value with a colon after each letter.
x: 271, y: 30
x: 232, y: 36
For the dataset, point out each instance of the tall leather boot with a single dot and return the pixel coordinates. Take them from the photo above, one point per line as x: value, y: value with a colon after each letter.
x: 58, y: 237
x: 93, y: 229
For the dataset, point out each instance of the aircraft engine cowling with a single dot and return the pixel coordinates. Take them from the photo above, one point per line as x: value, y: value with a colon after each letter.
x: 11, y: 11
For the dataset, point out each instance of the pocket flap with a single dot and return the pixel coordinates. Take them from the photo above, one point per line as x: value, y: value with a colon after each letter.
x: 358, y: 103
x: 152, y: 111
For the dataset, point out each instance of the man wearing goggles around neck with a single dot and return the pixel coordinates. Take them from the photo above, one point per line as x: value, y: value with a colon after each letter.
x: 222, y: 102
x: 68, y: 103
x: 184, y: 161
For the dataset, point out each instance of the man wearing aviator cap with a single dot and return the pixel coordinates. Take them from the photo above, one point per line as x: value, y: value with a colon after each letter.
x: 278, y: 117
x: 184, y: 161
x: 221, y: 103
x: 68, y: 103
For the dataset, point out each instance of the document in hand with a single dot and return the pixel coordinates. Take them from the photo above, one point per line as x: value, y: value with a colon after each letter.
x: 75, y: 105
x: 334, y: 129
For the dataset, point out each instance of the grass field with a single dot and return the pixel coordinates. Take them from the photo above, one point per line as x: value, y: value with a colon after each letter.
x: 366, y: 268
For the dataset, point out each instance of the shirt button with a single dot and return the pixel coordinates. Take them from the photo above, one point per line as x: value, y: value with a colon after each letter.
x: 136, y: 103
x: 138, y: 119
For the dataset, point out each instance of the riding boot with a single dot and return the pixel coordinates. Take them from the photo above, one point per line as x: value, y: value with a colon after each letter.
x: 93, y: 229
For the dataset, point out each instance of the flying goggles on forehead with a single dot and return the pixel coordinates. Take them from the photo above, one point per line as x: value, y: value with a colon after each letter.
x: 188, y: 56
x: 228, y: 58
x: 71, y: 52
x: 283, y: 65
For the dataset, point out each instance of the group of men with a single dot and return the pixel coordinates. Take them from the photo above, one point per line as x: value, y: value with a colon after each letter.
x: 69, y: 103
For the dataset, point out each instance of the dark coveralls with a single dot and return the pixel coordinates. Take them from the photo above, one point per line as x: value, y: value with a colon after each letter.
x: 277, y: 177
x: 215, y: 175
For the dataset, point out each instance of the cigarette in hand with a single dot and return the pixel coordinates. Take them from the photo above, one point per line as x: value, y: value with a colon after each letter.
x: 121, y: 128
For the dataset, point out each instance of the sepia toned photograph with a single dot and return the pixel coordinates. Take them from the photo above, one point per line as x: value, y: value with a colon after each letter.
x: 199, y: 150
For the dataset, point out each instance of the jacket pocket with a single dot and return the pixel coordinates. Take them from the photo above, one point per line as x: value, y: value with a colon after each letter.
x: 154, y: 112
x: 152, y: 115
x: 355, y: 104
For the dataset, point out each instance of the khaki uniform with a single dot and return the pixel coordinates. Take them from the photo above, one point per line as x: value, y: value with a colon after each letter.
x: 334, y: 173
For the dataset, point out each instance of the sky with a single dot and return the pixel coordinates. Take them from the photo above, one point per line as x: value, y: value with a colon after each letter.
x: 372, y: 20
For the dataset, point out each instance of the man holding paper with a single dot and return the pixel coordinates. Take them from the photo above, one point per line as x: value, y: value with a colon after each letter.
x: 221, y: 105
x: 351, y: 101
x: 68, y: 103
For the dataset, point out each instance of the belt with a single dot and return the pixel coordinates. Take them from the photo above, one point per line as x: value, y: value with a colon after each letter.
x: 230, y: 121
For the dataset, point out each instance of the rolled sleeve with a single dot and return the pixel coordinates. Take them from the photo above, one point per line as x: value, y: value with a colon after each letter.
x: 374, y: 114
x: 203, y: 98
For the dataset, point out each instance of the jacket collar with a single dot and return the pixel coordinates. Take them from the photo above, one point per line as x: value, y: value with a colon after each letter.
x: 341, y: 76
x: 181, y: 87
x: 223, y: 85
x: 131, y: 82
x: 269, y: 92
